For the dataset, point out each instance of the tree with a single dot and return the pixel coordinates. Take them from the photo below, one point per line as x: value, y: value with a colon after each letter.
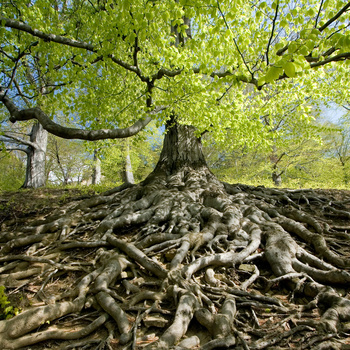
x: 67, y: 161
x: 116, y: 66
x: 96, y: 169
x: 32, y: 140
x: 143, y: 154
x: 339, y: 147
x: 11, y: 171
x: 35, y: 147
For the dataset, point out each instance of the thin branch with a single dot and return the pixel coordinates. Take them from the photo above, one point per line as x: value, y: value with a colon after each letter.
x: 9, y: 149
x: 136, y: 50
x: 224, y: 94
x: 10, y: 23
x: 129, y: 67
x: 234, y: 40
x: 338, y: 31
x: 25, y: 99
x: 272, y: 32
x: 166, y: 72
x: 341, y: 57
x: 16, y: 61
x: 20, y: 141
x: 72, y: 133
x: 335, y: 17
x: 318, y: 13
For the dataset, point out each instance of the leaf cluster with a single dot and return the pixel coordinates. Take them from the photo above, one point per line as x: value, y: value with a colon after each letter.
x: 106, y: 64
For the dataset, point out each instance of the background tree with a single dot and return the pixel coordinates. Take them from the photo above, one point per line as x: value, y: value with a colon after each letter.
x: 24, y: 70
x: 96, y: 167
x: 143, y: 154
x: 12, y: 171
x: 67, y: 161
x: 339, y: 147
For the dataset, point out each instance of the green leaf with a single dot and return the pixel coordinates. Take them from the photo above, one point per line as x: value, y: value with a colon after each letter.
x: 293, y: 46
x: 289, y: 69
x: 273, y: 74
x: 304, y: 50
x: 261, y: 81
x: 279, y: 46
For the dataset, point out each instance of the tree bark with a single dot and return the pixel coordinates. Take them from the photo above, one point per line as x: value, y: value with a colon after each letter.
x: 277, y: 178
x: 127, y: 176
x: 181, y: 148
x: 96, y: 172
x: 35, y: 171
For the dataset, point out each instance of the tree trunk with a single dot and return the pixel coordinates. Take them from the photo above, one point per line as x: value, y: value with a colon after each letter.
x: 36, y: 154
x: 127, y: 175
x: 277, y: 178
x: 346, y: 175
x: 96, y: 172
x: 274, y: 159
x: 181, y: 149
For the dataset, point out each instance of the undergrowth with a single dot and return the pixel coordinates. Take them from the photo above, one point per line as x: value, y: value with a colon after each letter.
x: 6, y: 309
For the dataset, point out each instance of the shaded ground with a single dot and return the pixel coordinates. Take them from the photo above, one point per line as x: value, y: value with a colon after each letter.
x: 271, y: 314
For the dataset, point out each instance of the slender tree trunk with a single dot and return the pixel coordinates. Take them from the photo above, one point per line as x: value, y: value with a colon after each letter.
x: 277, y: 178
x: 128, y: 176
x: 35, y: 172
x: 276, y: 174
x: 345, y: 173
x: 96, y: 173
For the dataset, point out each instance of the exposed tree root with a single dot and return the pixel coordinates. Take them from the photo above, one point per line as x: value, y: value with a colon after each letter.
x: 182, y: 262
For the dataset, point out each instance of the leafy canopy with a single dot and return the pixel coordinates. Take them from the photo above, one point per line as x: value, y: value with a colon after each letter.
x: 215, y: 64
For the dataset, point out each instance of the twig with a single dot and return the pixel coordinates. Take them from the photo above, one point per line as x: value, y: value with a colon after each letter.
x: 234, y: 40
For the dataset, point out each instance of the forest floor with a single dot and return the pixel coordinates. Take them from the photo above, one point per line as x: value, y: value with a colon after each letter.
x: 18, y: 209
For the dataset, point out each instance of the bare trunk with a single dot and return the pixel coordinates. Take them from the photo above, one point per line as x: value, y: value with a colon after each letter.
x: 35, y: 172
x: 276, y: 174
x: 277, y: 178
x: 96, y: 173
x: 128, y: 176
x: 346, y: 175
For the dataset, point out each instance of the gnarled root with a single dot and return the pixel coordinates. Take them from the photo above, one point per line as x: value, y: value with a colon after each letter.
x: 180, y: 262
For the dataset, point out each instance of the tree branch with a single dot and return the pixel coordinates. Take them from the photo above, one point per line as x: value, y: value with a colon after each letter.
x: 335, y: 17
x: 318, y: 13
x: 129, y: 67
x: 73, y: 133
x: 341, y: 57
x: 20, y: 141
x: 10, y: 149
x: 10, y: 23
x: 272, y: 32
x: 234, y: 40
x: 166, y: 72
